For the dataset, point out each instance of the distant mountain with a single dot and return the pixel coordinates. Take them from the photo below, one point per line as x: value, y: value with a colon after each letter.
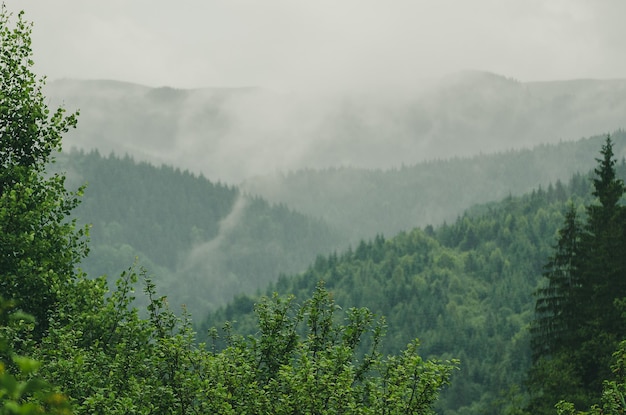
x: 237, y: 133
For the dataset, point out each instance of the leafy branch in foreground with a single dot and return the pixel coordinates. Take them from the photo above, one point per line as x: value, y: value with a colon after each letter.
x: 21, y: 390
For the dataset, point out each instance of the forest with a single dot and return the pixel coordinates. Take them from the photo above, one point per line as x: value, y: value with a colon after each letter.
x: 503, y: 304
x: 242, y: 238
x: 466, y: 289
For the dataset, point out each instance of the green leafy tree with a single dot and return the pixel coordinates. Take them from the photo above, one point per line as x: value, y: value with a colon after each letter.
x: 303, y: 359
x: 39, y: 247
x: 21, y: 390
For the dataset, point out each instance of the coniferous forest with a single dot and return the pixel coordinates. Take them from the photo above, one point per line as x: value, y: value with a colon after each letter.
x: 128, y: 288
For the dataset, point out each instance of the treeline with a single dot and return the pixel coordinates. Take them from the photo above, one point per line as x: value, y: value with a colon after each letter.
x: 205, y: 242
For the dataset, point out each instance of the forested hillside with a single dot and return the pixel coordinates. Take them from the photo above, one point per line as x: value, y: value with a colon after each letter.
x: 206, y: 242
x: 465, y: 289
x: 203, y: 242
x: 363, y: 203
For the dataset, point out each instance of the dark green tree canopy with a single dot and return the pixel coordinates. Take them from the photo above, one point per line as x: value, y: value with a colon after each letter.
x: 555, y: 306
x: 607, y: 187
x: 578, y: 314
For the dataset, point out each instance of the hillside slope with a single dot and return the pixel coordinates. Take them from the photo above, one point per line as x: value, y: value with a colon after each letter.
x: 363, y: 202
x: 464, y: 289
x: 207, y: 242
x: 203, y: 242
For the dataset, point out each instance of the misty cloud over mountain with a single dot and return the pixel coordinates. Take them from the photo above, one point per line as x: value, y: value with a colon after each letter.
x: 232, y: 134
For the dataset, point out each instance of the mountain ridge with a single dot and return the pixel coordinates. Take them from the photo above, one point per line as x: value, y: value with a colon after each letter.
x: 232, y: 134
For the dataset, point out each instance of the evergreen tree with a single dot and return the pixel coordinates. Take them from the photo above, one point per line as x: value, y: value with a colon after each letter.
x: 602, y: 272
x: 553, y: 309
x: 578, y: 318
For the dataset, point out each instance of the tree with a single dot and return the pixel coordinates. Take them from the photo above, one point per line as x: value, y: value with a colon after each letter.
x: 21, y: 390
x: 39, y: 246
x: 303, y: 359
x: 612, y: 400
x: 603, y: 272
x: 602, y: 246
x: 555, y: 309
x: 578, y: 316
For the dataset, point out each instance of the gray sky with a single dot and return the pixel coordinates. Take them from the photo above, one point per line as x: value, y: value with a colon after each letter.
x: 324, y: 44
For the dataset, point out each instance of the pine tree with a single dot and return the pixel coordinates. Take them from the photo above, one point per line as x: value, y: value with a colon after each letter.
x: 553, y: 309
x: 578, y: 320
x: 602, y: 271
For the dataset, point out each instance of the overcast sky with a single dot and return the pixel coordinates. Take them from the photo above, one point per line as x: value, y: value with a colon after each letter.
x: 327, y: 44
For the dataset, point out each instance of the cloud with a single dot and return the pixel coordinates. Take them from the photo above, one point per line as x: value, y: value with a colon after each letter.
x: 351, y: 44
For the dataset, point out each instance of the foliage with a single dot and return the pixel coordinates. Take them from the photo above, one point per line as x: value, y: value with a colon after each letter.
x: 39, y: 249
x: 612, y: 400
x: 322, y: 373
x: 301, y: 360
x: 21, y: 391
x: 110, y: 360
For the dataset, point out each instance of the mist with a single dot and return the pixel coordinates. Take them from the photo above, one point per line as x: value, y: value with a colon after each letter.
x: 234, y: 134
x: 206, y: 253
x: 238, y: 89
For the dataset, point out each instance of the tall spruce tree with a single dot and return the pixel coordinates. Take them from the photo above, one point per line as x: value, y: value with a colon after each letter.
x: 602, y: 272
x: 578, y: 320
x: 554, y: 309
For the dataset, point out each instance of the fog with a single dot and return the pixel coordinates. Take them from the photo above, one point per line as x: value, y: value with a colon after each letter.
x: 240, y: 88
x: 207, y: 253
x: 234, y: 134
